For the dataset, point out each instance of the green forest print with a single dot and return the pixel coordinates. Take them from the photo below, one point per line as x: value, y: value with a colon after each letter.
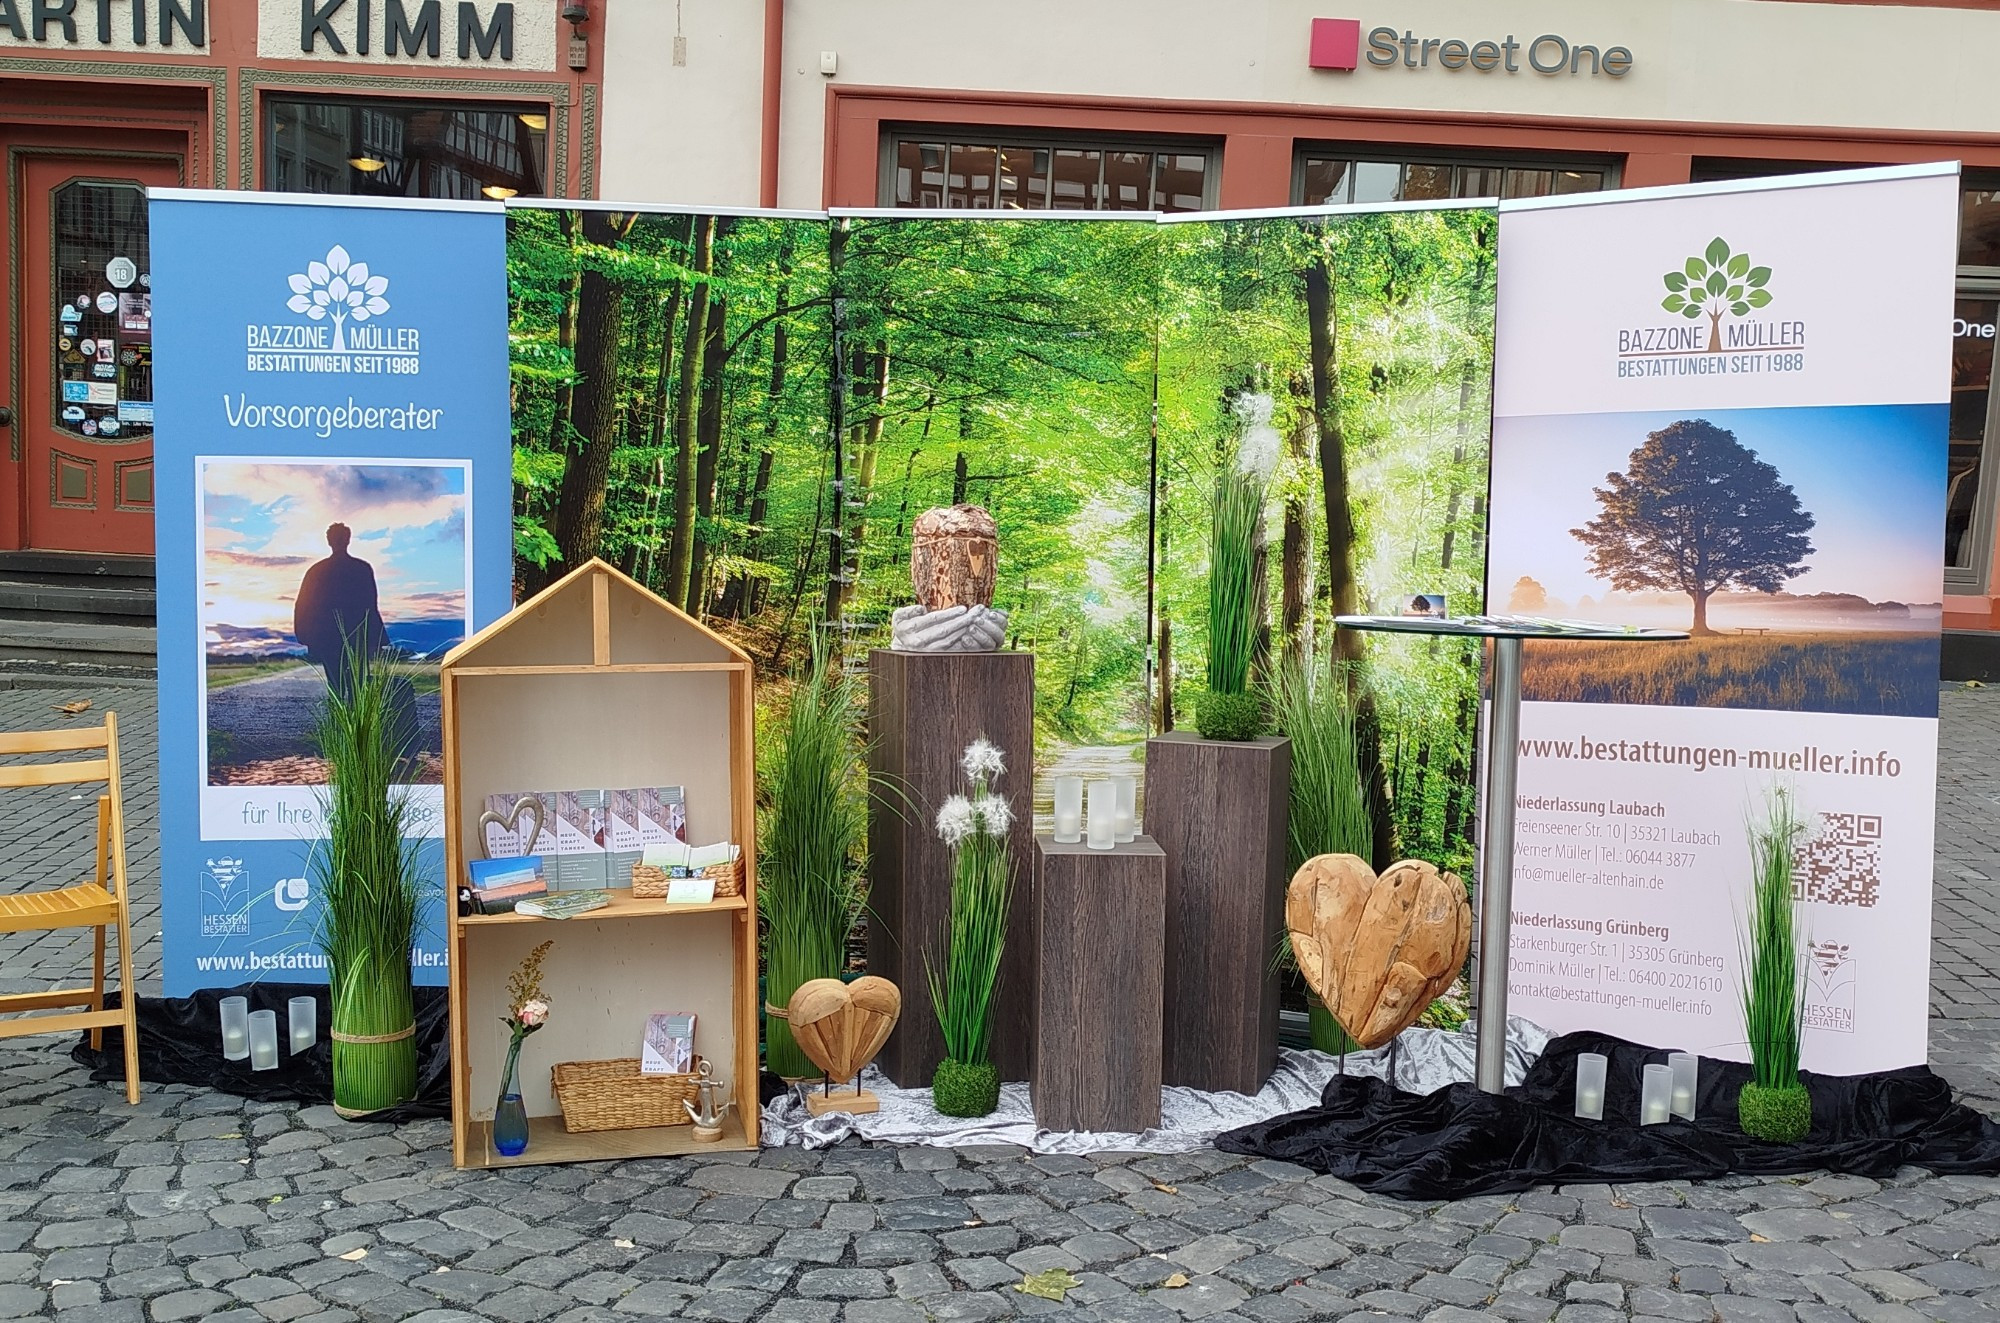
x: 747, y: 413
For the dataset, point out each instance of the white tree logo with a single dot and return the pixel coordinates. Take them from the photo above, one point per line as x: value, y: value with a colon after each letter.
x: 339, y: 288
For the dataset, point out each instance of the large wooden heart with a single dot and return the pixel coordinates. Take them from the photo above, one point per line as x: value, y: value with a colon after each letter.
x: 1377, y: 950
x: 511, y: 822
x: 841, y: 1026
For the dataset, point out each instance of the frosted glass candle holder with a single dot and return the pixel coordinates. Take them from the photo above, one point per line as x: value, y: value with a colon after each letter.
x: 302, y: 1018
x: 235, y: 1028
x: 1128, y: 806
x: 1103, y: 815
x: 1656, y: 1095
x: 263, y: 1040
x: 1686, y: 1068
x: 1590, y: 1086
x: 1069, y: 810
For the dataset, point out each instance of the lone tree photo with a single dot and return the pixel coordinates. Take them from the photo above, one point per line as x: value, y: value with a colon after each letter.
x: 1716, y: 282
x: 1696, y: 511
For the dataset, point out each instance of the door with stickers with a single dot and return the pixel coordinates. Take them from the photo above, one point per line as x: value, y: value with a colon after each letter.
x: 83, y: 372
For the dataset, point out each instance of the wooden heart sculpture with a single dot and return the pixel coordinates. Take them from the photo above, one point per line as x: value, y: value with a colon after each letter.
x: 527, y: 804
x: 1377, y: 950
x: 841, y: 1026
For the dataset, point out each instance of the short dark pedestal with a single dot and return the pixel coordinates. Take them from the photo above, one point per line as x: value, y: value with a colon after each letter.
x: 1100, y: 945
x: 925, y: 707
x: 1219, y: 811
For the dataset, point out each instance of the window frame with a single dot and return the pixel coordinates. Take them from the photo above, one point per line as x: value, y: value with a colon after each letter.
x: 1304, y: 150
x: 895, y: 136
x: 1971, y: 580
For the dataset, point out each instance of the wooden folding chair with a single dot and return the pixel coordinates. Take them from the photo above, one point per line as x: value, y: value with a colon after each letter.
x: 101, y: 904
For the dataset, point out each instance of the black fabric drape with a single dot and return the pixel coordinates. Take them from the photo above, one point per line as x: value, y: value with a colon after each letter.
x: 1459, y: 1141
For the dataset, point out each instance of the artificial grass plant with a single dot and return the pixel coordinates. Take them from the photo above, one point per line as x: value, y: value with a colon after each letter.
x: 975, y: 826
x: 1774, y: 1105
x: 808, y: 886
x: 365, y: 873
x: 1236, y: 589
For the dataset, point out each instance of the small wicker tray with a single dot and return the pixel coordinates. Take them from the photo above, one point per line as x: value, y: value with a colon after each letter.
x: 613, y: 1095
x: 649, y: 883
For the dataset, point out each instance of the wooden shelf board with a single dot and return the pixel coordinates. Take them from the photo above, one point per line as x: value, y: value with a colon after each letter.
x: 548, y: 1142
x: 603, y: 668
x: 623, y: 906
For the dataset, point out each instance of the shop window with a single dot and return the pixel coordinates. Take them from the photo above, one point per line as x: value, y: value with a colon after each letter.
x: 1326, y: 176
x: 960, y: 172
x: 1969, y: 478
x: 381, y: 148
x: 103, y: 318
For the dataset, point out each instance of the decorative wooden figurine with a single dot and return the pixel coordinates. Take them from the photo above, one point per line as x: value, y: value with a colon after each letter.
x: 954, y: 561
x: 1377, y: 950
x: 708, y: 1117
x: 841, y: 1026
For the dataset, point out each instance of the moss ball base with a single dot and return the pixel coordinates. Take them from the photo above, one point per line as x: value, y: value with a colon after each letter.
x: 961, y: 1090
x: 1229, y: 716
x: 1777, y: 1116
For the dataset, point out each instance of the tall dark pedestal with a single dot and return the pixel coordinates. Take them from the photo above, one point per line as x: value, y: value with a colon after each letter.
x: 925, y: 707
x: 1219, y: 811
x: 1100, y: 941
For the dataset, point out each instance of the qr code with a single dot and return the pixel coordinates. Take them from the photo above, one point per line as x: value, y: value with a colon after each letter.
x: 1842, y: 863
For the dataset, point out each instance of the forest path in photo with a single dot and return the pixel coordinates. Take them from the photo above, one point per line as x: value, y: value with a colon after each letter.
x: 1092, y: 762
x: 260, y: 730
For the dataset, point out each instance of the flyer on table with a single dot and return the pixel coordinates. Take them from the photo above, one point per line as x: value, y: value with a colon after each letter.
x: 333, y: 458
x: 1726, y: 430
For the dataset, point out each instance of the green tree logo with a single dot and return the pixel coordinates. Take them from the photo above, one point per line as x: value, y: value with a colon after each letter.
x: 1716, y: 282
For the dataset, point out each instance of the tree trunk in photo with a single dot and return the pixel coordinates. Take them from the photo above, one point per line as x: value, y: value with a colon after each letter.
x: 566, y: 336
x: 680, y: 548
x: 662, y: 409
x: 708, y: 438
x: 873, y: 369
x: 747, y: 592
x: 836, y: 440
x: 579, y: 522
x: 1465, y: 385
x: 1164, y: 717
x: 1700, y: 625
x: 1295, y: 552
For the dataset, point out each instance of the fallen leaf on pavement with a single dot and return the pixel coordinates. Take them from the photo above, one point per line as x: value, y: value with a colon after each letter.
x: 1166, y: 1189
x: 1050, y: 1285
x: 1761, y: 1240
x: 77, y: 708
x: 1179, y: 1279
x: 355, y: 1255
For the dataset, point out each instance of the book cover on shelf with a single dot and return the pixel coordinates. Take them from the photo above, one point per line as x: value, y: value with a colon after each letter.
x: 564, y: 904
x: 583, y: 826
x: 669, y: 1045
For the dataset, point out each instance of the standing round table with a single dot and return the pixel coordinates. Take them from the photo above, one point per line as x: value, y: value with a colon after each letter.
x: 1503, y: 749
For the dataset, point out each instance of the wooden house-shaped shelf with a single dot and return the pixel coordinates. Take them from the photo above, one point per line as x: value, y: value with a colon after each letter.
x: 595, y: 683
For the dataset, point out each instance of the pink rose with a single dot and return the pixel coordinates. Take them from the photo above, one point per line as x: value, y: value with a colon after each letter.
x: 532, y: 1014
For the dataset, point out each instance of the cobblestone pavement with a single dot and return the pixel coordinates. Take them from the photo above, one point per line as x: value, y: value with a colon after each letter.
x: 200, y: 1205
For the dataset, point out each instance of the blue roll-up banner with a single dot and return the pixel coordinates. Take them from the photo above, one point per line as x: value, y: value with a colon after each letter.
x: 333, y: 459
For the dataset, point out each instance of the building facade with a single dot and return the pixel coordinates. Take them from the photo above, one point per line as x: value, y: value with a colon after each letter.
x: 100, y: 99
x: 1177, y: 105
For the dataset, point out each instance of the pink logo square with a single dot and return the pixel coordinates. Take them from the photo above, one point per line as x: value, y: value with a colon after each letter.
x: 1336, y: 43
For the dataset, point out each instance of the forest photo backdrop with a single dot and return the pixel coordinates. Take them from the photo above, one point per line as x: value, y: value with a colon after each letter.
x: 747, y: 411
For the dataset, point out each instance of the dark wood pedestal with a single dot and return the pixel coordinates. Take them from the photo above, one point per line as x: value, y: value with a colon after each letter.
x: 925, y: 707
x: 1100, y: 944
x: 1219, y: 811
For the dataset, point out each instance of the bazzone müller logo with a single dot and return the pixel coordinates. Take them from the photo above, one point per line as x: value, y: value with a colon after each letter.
x: 341, y: 301
x: 1714, y: 294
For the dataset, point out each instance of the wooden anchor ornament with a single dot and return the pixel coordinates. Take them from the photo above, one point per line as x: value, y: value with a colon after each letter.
x: 840, y: 1027
x: 1377, y: 950
x: 954, y: 563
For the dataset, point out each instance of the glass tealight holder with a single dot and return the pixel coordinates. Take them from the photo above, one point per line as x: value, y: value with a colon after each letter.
x: 1590, y: 1086
x: 263, y: 1040
x: 235, y: 1028
x: 1069, y: 810
x: 1686, y: 1067
x: 1128, y: 806
x: 1656, y: 1094
x: 1103, y: 825
x: 302, y: 1019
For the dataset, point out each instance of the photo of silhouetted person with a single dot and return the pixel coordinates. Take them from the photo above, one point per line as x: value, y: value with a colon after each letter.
x: 337, y: 617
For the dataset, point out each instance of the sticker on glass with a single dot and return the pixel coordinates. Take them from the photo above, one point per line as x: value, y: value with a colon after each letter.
x: 121, y: 272
x: 65, y: 343
x: 89, y: 427
x: 145, y: 280
x: 108, y: 426
x: 107, y: 302
x: 70, y: 313
x: 135, y: 411
x: 106, y: 371
x: 82, y: 301
x: 128, y: 356
x: 88, y: 348
x: 107, y: 351
x: 135, y: 313
x: 72, y: 413
x: 96, y: 392
x: 76, y: 392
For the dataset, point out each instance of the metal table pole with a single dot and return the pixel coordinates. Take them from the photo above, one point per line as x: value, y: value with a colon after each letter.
x: 1496, y: 864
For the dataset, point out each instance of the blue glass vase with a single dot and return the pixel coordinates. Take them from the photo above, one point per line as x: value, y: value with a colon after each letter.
x: 510, y: 1117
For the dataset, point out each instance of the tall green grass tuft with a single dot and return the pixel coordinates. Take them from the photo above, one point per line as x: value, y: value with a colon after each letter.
x: 1774, y: 1105
x: 366, y: 875
x: 982, y: 889
x: 809, y: 884
x: 1235, y: 596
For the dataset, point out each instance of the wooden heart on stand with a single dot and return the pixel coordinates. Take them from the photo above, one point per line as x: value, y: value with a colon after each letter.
x: 1377, y: 950
x: 510, y: 822
x: 840, y: 1027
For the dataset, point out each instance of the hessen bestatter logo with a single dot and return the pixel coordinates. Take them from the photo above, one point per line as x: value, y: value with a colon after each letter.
x: 1725, y: 288
x: 342, y: 302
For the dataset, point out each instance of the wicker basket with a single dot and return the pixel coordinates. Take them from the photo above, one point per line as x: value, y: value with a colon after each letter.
x: 613, y: 1095
x: 649, y: 883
